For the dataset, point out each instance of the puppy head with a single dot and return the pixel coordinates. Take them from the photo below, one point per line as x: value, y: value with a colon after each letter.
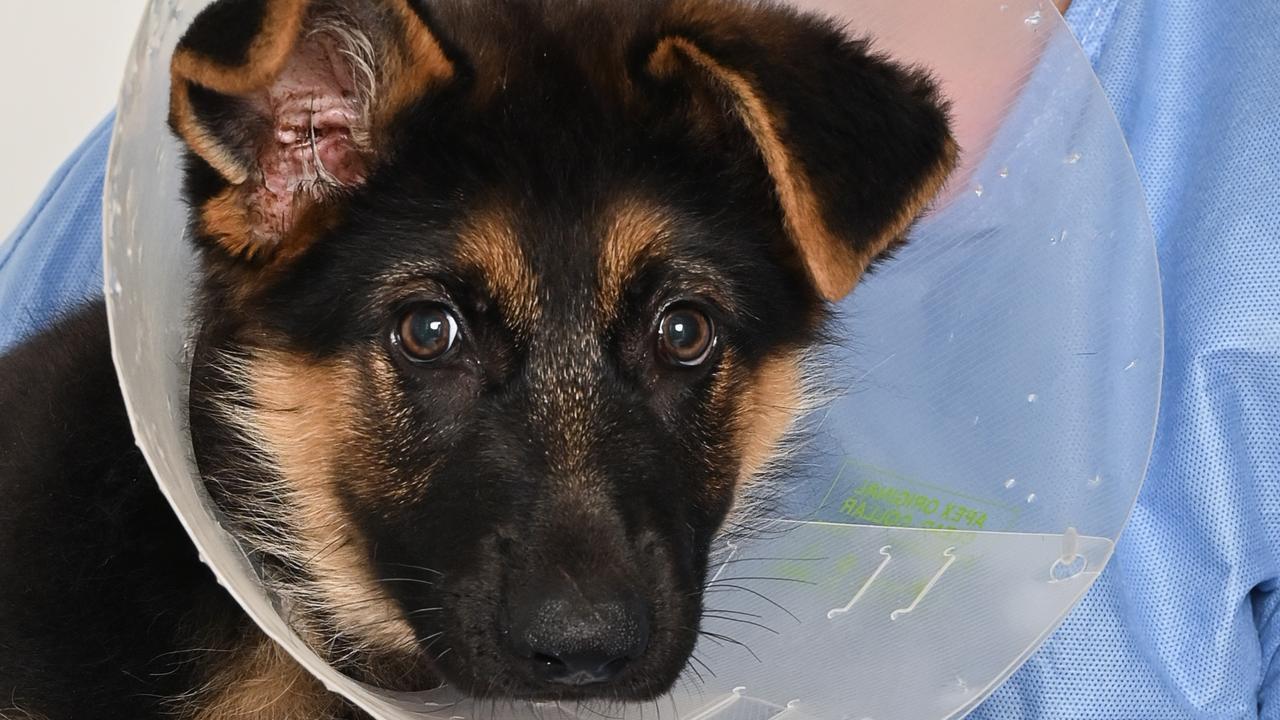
x: 506, y: 305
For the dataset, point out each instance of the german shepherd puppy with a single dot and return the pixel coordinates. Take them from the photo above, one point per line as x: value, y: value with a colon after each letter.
x: 504, y: 310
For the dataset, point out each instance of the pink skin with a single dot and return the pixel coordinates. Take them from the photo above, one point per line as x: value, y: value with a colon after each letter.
x: 314, y: 107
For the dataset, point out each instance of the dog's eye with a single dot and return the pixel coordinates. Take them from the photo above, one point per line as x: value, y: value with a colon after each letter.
x: 426, y: 332
x: 685, y: 336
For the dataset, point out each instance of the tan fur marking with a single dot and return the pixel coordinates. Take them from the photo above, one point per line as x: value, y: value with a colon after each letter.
x: 199, y: 138
x: 833, y: 265
x: 421, y: 66
x: 225, y: 216
x: 229, y: 217
x: 915, y: 205
x: 637, y: 231
x: 773, y: 399
x: 307, y: 416
x: 723, y: 400
x: 261, y: 682
x: 490, y: 247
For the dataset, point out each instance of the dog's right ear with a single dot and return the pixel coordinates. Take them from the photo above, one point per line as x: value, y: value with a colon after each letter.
x: 285, y: 105
x: 856, y: 144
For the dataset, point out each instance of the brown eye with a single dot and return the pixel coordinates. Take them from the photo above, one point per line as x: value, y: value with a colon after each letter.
x: 426, y: 333
x: 685, y: 336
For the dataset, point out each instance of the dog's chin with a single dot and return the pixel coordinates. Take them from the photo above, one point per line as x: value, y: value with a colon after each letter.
x: 516, y: 691
x: 588, y: 693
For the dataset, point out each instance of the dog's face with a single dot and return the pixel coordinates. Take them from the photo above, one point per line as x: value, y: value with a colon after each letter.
x: 507, y: 304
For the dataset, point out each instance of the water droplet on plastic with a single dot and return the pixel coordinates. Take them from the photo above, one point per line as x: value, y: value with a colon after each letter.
x: 1073, y: 158
x: 1095, y: 481
x: 1032, y: 397
x: 1065, y: 570
x: 1004, y: 172
x: 1132, y: 364
x: 978, y: 191
x: 975, y: 419
x: 1010, y: 482
x: 1031, y: 498
x: 1034, y: 19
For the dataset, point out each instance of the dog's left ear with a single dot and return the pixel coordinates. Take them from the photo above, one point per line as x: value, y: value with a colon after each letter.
x: 855, y: 145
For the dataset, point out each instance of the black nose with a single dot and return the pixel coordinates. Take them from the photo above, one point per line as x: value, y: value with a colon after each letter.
x: 568, y: 640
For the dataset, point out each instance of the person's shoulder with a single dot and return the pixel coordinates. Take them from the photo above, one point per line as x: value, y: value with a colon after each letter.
x: 52, y: 260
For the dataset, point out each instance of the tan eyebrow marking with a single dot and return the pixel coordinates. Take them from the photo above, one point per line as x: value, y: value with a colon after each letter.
x: 489, y: 246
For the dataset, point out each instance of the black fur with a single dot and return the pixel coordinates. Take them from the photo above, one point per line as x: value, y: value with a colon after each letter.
x: 100, y: 589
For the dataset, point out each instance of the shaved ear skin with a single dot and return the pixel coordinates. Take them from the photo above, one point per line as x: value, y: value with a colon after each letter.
x: 285, y: 103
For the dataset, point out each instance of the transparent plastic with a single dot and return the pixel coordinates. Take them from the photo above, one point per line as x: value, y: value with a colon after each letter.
x: 1001, y: 375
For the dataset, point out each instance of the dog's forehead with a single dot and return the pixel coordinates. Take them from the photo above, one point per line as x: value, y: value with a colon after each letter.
x: 574, y: 263
x: 531, y: 170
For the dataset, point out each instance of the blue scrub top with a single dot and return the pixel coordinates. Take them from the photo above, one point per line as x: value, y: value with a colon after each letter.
x: 1183, y: 623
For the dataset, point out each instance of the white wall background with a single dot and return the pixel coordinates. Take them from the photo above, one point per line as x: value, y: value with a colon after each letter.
x: 61, y: 63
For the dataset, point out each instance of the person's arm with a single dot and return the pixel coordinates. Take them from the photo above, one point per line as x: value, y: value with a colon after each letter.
x: 53, y: 260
